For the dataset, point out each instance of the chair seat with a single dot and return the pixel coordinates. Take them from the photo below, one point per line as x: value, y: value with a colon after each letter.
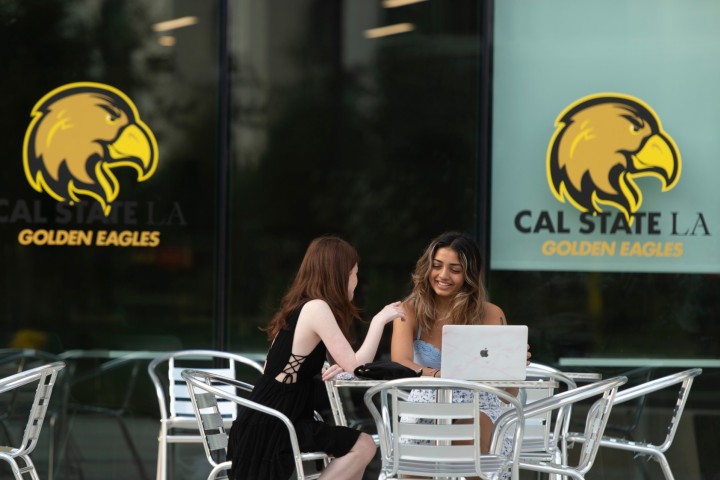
x: 490, y: 463
x: 627, y: 444
x: 311, y: 456
x: 531, y: 445
x: 540, y: 465
x: 619, y: 443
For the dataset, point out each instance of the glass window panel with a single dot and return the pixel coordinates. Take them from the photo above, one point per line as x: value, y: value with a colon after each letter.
x: 100, y: 295
x: 373, y: 139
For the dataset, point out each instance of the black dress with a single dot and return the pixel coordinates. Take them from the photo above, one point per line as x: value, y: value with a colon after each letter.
x: 259, y: 445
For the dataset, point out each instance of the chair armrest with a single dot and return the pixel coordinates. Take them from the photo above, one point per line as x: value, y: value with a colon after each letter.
x: 559, y: 400
x: 655, y: 385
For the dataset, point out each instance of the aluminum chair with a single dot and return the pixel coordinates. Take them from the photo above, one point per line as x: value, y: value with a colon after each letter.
x: 46, y: 377
x: 595, y: 422
x: 445, y: 451
x: 16, y: 360
x: 654, y: 451
x: 544, y: 437
x: 177, y: 417
x: 205, y: 389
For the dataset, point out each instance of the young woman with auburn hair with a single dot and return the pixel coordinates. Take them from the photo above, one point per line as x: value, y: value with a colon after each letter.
x: 313, y: 321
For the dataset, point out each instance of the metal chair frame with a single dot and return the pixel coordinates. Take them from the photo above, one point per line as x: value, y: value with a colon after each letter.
x: 446, y: 453
x: 595, y: 423
x: 16, y: 360
x: 205, y: 389
x: 654, y: 451
x: 46, y: 377
x: 545, y: 433
x: 177, y: 415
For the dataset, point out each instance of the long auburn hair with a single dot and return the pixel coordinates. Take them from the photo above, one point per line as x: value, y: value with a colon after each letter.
x: 467, y: 307
x: 323, y: 274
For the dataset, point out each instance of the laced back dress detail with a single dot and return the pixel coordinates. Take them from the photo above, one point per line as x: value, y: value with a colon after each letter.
x: 258, y: 445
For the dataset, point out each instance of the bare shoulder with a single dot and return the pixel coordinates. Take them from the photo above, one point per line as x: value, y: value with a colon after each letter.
x: 317, y: 319
x: 315, y: 310
x: 494, y: 315
x: 408, y: 306
x: 316, y: 305
x: 409, y: 320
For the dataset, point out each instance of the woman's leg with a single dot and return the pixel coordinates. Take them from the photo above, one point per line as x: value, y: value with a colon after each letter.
x: 486, y: 430
x: 351, y: 466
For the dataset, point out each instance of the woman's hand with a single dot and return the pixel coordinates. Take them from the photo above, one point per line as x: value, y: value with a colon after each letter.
x: 331, y: 372
x: 529, y: 355
x: 390, y: 313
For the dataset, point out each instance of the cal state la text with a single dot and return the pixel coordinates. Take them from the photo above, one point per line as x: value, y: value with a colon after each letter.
x: 128, y: 213
x: 647, y: 223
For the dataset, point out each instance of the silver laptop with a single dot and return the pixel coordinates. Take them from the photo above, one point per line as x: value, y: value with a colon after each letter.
x: 484, y: 352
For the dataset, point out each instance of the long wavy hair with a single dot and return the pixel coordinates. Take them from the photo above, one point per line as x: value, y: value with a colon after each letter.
x: 323, y: 274
x: 466, y: 308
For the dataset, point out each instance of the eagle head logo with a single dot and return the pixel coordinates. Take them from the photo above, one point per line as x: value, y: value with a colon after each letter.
x: 78, y: 135
x: 601, y: 144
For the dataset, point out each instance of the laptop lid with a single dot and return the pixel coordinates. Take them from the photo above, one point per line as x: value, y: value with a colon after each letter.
x: 484, y: 352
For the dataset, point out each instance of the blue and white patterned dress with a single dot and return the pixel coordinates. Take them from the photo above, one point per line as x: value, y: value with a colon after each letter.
x: 428, y: 355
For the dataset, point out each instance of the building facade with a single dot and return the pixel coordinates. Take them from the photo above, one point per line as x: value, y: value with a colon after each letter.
x: 258, y: 125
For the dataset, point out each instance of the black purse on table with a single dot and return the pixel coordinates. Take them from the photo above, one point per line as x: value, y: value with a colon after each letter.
x: 385, y: 370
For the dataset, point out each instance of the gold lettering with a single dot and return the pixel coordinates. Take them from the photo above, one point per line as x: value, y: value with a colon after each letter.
x: 583, y: 248
x: 128, y: 238
x: 41, y: 237
x: 154, y: 239
x: 25, y: 237
x: 651, y: 249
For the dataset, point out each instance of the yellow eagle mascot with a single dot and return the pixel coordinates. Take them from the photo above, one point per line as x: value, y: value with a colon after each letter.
x: 601, y: 144
x: 78, y: 135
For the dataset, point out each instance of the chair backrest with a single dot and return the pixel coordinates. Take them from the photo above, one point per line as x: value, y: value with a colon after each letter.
x: 449, y: 423
x: 180, y: 403
x: 46, y: 377
x: 595, y: 421
x: 202, y: 387
x: 16, y: 360
x: 173, y: 395
x: 684, y: 379
x: 628, y: 425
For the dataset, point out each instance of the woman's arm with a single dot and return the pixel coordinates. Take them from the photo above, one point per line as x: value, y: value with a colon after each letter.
x: 493, y: 315
x: 317, y: 322
x: 401, y: 346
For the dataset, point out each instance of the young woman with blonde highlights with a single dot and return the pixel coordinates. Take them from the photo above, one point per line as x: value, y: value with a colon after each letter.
x: 448, y: 289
